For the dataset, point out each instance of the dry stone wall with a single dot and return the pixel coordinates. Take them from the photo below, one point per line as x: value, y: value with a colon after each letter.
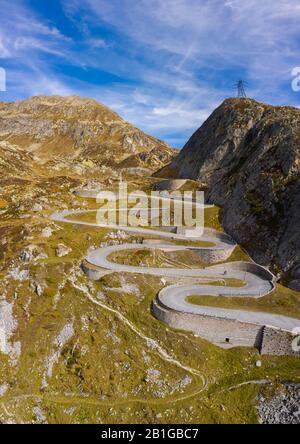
x: 212, y: 256
x: 280, y: 342
x: 231, y: 333
x: 222, y: 332
x: 92, y: 272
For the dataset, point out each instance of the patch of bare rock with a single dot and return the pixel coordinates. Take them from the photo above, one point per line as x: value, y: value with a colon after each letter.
x: 284, y: 408
x: 62, y: 250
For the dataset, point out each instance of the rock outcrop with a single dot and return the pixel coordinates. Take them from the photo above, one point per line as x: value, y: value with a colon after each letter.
x: 248, y: 155
x: 283, y: 408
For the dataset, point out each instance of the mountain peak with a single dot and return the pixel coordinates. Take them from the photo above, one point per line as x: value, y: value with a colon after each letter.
x: 247, y: 154
x: 67, y: 130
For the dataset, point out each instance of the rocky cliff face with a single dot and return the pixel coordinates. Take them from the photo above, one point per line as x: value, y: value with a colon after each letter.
x: 248, y: 155
x: 70, y: 132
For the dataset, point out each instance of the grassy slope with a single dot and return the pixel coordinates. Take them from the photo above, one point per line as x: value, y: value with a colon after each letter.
x: 101, y: 373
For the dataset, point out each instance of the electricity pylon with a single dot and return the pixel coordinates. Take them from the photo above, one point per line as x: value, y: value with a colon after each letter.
x: 240, y: 85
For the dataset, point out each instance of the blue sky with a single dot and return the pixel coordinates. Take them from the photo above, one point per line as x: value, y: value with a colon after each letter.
x: 164, y: 65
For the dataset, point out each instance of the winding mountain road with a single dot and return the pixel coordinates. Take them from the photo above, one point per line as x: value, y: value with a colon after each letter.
x: 258, y: 280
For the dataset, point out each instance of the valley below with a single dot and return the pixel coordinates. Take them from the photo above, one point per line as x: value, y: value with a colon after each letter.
x: 80, y: 350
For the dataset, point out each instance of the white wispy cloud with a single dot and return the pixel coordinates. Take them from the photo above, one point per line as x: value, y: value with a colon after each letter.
x: 207, y: 31
x: 97, y: 43
x: 189, y: 45
x: 4, y: 52
x: 31, y: 44
x: 171, y: 62
x: 25, y: 40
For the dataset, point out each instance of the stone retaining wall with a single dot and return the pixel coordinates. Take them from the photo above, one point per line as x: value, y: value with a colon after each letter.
x: 219, y: 236
x: 227, y: 333
x: 279, y: 342
x: 251, y: 267
x: 92, y: 272
x: 212, y: 256
x: 222, y: 332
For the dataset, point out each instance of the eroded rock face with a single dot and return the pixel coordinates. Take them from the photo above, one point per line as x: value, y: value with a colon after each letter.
x: 248, y: 154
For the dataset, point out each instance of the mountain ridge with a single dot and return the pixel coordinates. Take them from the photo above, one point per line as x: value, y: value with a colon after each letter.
x: 64, y: 132
x: 247, y: 155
